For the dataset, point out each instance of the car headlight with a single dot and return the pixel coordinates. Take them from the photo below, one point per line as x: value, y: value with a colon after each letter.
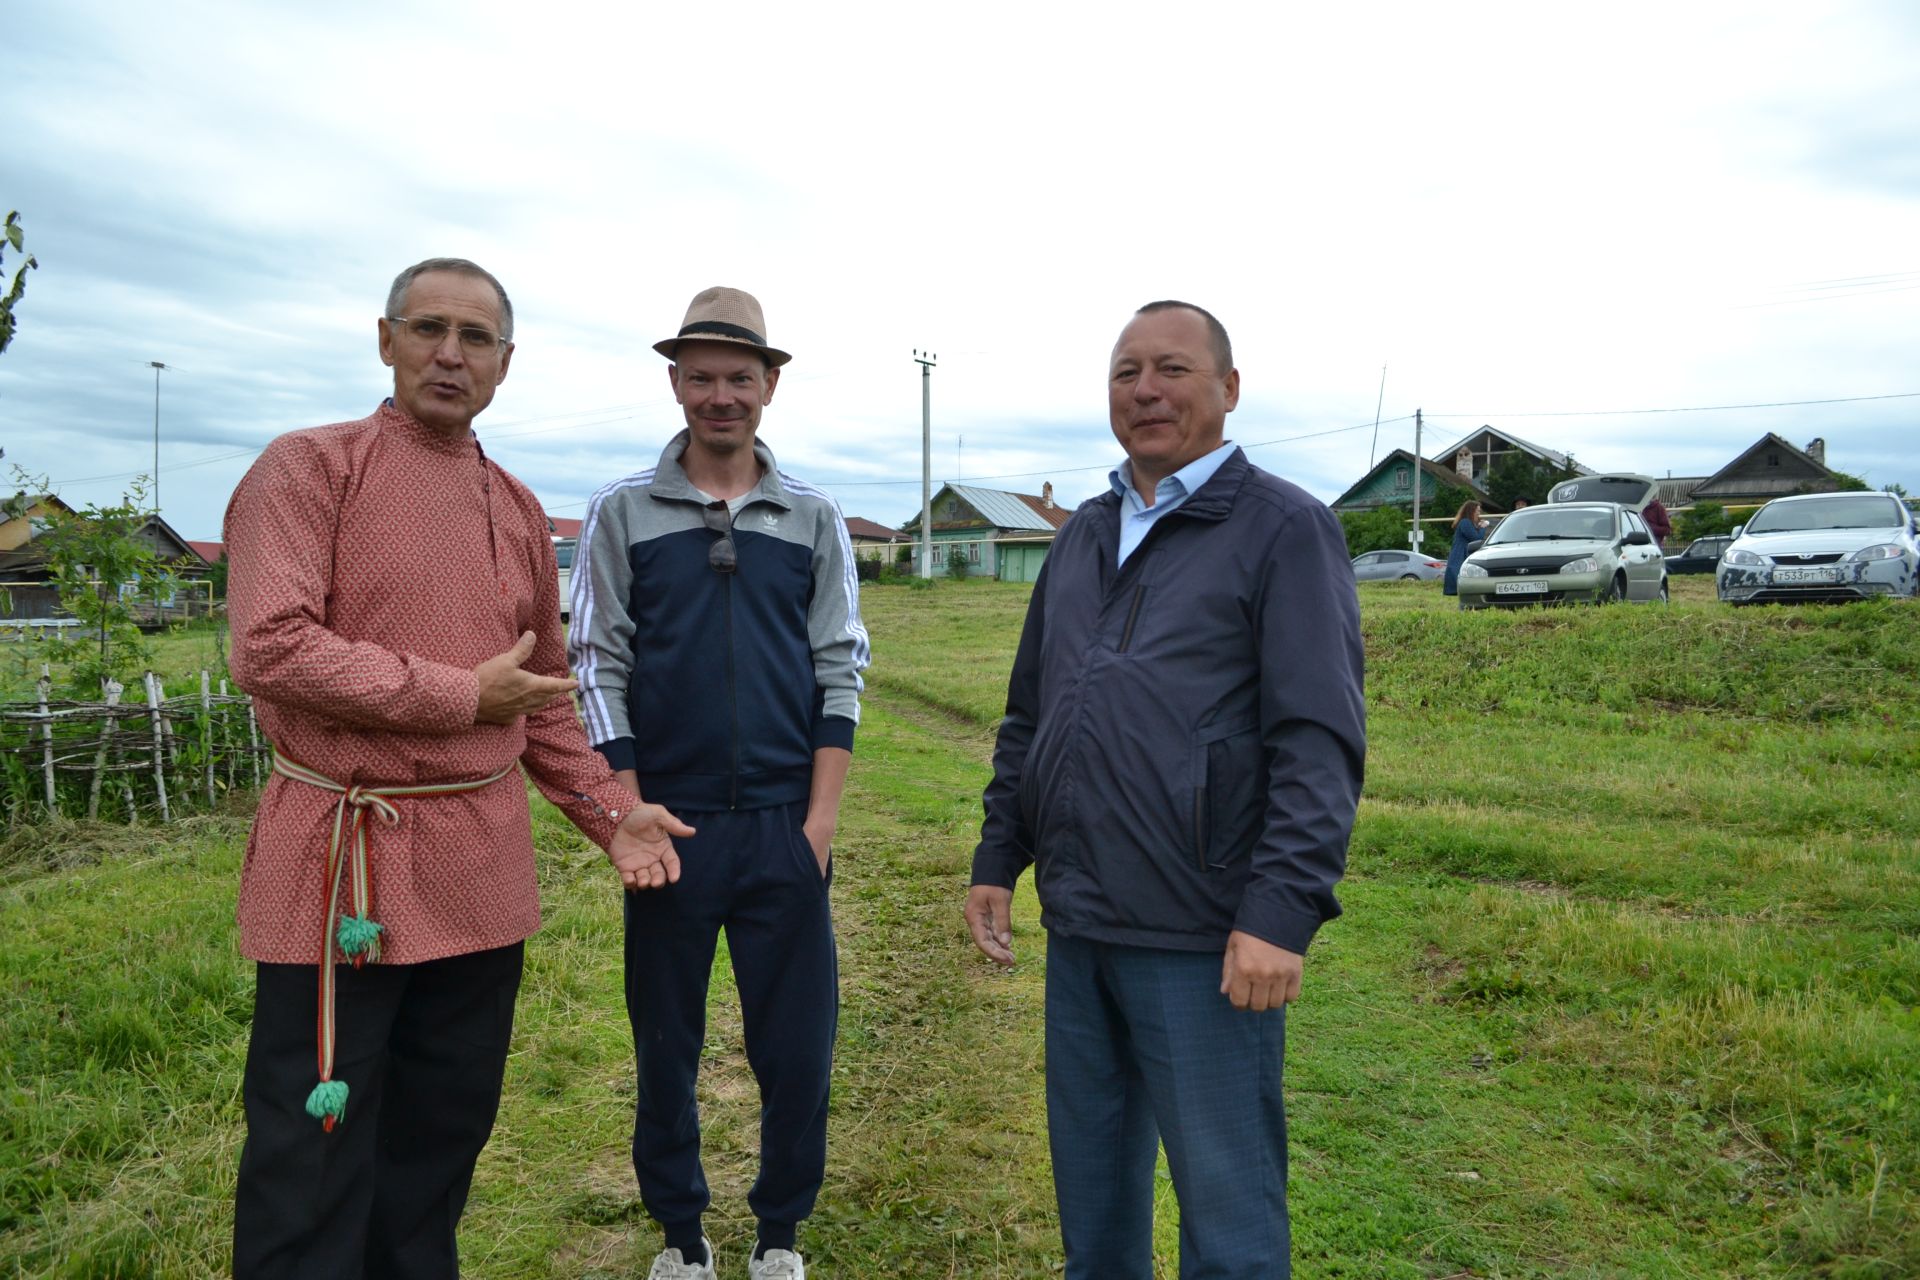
x: 1882, y: 551
x: 1586, y: 564
x: 1472, y: 570
x: 1738, y: 555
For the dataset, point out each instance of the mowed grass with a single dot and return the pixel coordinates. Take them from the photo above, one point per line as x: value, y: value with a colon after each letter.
x: 1628, y: 984
x: 179, y: 654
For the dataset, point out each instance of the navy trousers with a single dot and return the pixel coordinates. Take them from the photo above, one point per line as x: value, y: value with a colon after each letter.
x: 1142, y: 1049
x: 752, y: 873
x: 423, y: 1049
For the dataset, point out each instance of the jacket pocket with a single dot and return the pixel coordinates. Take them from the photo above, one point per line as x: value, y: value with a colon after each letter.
x: 1229, y: 792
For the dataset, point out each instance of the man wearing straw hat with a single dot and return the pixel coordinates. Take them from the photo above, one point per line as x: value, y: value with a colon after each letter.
x: 719, y: 597
x: 395, y: 612
x: 1179, y: 763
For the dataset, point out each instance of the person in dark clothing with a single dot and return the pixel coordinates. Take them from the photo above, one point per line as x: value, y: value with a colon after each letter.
x: 719, y: 598
x: 1180, y: 762
x: 1468, y: 528
x: 1659, y: 524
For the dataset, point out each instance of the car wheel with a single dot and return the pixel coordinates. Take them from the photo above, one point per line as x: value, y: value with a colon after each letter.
x: 1409, y: 577
x: 1665, y: 596
x: 1613, y: 593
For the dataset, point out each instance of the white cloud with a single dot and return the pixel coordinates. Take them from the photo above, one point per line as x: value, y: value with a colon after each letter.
x: 1517, y: 208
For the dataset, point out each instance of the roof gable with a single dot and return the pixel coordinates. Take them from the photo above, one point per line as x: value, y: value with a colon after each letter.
x: 991, y: 508
x: 1769, y: 467
x: 1383, y: 485
x: 1552, y: 456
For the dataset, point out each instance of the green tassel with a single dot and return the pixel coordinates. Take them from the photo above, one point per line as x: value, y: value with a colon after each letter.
x: 328, y: 1102
x: 358, y: 935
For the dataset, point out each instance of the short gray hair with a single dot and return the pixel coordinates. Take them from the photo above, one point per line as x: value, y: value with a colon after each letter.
x: 397, y: 296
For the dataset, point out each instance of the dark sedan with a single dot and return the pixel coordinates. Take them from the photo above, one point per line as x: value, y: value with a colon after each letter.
x: 1701, y: 556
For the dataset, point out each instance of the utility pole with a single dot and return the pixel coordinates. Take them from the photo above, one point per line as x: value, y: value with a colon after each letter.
x: 157, y: 367
x: 926, y: 360
x: 1374, y: 448
x: 1419, y: 473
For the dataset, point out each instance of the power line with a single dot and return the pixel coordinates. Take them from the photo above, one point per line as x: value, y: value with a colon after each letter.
x: 1694, y: 408
x: 1108, y: 466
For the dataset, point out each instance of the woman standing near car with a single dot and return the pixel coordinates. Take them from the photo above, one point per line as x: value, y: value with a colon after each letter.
x: 1468, y: 528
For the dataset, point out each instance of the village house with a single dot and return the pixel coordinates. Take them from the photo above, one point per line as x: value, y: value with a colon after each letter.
x: 1390, y: 484
x: 1000, y: 533
x: 874, y: 541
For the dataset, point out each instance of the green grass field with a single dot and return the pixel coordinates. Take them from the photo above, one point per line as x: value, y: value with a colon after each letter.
x: 1628, y: 984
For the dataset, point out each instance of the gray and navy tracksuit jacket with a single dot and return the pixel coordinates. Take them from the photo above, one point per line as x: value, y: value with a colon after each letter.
x: 1185, y: 733
x: 716, y: 688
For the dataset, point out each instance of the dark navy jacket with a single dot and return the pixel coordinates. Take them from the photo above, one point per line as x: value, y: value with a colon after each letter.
x: 716, y: 688
x: 1185, y: 734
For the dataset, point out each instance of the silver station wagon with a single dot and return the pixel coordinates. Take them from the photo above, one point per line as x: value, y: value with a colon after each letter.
x: 1586, y: 544
x: 1822, y: 547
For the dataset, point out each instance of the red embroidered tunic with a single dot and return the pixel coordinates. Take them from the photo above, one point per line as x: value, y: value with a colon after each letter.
x: 372, y: 566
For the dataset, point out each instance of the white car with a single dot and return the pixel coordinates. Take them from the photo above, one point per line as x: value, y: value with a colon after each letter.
x: 563, y: 549
x: 1586, y: 544
x: 1827, y: 547
x: 1381, y: 566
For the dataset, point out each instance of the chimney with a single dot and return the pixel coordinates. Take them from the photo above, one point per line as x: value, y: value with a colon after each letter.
x: 1046, y: 495
x: 1817, y: 450
x: 1463, y: 463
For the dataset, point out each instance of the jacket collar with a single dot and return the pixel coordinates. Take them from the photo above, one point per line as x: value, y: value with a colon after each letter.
x: 670, y: 481
x: 1211, y: 501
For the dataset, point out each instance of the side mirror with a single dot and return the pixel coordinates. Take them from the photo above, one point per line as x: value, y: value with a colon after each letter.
x: 1739, y: 529
x: 1475, y: 545
x: 1639, y: 538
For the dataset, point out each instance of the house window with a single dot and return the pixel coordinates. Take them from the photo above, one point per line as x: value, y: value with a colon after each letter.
x: 1403, y: 478
x: 973, y: 553
x: 939, y: 553
x: 1773, y: 459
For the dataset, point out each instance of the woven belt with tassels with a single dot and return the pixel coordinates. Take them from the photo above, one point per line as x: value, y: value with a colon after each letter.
x: 357, y: 936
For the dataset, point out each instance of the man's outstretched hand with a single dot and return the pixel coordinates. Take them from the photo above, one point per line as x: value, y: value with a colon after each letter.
x: 507, y: 692
x: 642, y: 850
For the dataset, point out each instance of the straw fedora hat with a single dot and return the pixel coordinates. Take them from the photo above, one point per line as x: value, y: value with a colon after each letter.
x: 721, y: 314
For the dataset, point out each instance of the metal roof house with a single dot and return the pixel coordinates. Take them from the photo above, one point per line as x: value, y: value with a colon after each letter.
x: 1000, y: 533
x: 1475, y: 456
x: 1390, y: 484
x: 1769, y: 468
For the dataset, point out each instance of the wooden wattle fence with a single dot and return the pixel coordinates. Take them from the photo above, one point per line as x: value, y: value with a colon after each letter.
x: 138, y: 754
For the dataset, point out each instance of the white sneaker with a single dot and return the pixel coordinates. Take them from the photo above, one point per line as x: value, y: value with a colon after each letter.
x: 777, y: 1264
x: 671, y: 1266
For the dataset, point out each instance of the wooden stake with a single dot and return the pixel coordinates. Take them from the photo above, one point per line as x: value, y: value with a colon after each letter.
x: 159, y: 747
x: 226, y: 731
x: 100, y: 751
x: 206, y: 730
x: 46, y: 739
x: 253, y: 742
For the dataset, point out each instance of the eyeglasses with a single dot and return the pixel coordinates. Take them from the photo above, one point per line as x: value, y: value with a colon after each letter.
x: 434, y: 332
x: 721, y: 556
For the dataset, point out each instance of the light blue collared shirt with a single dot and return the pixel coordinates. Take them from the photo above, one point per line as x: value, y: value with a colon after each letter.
x: 1136, y: 517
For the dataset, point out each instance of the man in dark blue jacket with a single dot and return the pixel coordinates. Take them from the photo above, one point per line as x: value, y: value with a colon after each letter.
x: 1180, y: 762
x: 716, y: 636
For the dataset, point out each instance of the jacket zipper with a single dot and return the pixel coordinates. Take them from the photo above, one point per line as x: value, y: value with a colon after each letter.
x: 733, y: 702
x: 1200, y: 825
x: 1126, y: 635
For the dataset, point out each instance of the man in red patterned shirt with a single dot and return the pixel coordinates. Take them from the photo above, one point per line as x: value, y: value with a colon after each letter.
x: 395, y: 612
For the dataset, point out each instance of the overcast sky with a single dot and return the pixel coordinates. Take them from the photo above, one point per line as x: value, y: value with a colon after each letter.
x: 1533, y: 216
